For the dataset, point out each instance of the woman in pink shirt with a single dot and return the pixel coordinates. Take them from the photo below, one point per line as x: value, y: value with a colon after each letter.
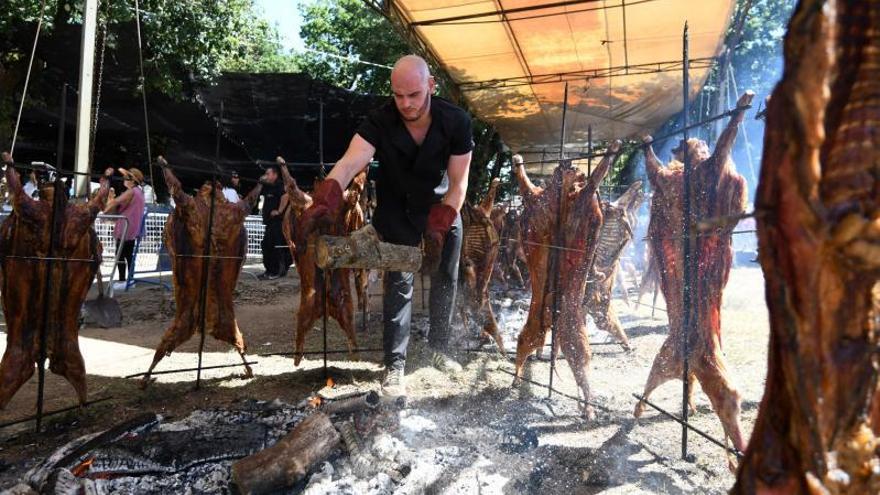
x: 130, y: 204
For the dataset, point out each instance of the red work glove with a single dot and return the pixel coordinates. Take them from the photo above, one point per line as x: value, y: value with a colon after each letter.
x: 440, y: 220
x: 326, y: 202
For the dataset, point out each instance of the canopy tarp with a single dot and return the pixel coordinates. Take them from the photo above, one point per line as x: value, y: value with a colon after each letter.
x: 622, y: 59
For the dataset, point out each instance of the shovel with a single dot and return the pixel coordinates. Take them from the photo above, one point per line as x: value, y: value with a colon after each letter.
x: 104, y: 311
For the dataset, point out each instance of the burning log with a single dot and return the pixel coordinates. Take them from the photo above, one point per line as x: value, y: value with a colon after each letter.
x: 288, y: 461
x: 363, y: 463
x: 363, y: 249
x: 818, y: 246
x: 370, y: 400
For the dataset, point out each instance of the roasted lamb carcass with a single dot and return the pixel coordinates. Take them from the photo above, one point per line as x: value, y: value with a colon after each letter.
x: 718, y: 192
x: 24, y: 235
x: 340, y: 301
x: 479, y: 251
x: 819, y: 246
x: 570, y: 255
x: 614, y: 235
x: 186, y: 234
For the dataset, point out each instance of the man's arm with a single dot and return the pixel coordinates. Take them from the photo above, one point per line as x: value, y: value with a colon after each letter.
x: 356, y: 157
x: 457, y: 171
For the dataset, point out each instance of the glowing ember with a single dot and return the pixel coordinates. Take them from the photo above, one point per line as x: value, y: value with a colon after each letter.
x: 83, y: 467
x: 330, y: 383
x: 316, y: 401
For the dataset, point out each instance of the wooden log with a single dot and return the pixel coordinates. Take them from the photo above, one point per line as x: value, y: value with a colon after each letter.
x: 288, y: 461
x: 363, y: 249
x: 370, y: 400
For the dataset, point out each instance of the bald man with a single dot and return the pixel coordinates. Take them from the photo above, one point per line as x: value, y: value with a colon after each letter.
x: 423, y: 145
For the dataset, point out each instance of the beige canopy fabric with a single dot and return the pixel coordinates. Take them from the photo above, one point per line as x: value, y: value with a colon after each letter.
x: 622, y: 60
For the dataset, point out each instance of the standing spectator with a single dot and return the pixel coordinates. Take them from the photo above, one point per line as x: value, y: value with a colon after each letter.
x: 232, y: 191
x: 130, y: 204
x: 276, y: 255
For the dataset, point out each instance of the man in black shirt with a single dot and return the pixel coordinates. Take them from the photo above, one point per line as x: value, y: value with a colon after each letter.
x: 423, y: 145
x: 276, y: 255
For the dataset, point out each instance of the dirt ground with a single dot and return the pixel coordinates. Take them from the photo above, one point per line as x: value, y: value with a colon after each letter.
x: 635, y: 457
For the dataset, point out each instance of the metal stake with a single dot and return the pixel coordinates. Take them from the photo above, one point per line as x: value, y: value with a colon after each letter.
x: 44, y: 328
x: 324, y: 302
x: 554, y: 257
x: 688, y: 240
x: 206, y: 250
x: 62, y: 121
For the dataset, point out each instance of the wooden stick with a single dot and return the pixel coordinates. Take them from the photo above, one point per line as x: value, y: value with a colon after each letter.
x: 289, y: 460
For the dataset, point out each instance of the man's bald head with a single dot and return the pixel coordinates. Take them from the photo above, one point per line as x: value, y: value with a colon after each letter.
x: 412, y: 86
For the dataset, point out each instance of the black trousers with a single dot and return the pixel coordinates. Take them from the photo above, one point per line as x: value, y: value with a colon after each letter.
x: 126, y: 256
x: 276, y: 260
x: 397, y: 303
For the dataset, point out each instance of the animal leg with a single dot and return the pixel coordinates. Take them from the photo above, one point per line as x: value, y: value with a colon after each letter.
x: 16, y: 369
x: 345, y: 317
x: 575, y: 344
x: 530, y: 339
x: 724, y: 397
x: 665, y: 368
x: 72, y: 368
x: 174, y: 336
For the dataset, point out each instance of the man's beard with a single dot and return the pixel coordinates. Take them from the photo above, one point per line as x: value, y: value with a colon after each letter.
x: 421, y: 112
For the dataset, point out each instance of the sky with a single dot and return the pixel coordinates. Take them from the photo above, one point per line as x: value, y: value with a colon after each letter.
x: 285, y: 15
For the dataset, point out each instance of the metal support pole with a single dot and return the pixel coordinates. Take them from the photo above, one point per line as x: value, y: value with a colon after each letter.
x: 555, y: 254
x: 325, y: 278
x: 62, y: 125
x: 143, y: 83
x: 321, y: 137
x: 206, y: 251
x: 590, y: 149
x: 44, y: 328
x: 84, y: 105
x: 687, y: 246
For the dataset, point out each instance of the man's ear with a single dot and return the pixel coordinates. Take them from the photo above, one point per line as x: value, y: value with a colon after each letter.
x: 431, y: 85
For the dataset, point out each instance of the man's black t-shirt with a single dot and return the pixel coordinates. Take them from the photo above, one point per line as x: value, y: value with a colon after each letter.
x: 412, y: 178
x: 272, y: 199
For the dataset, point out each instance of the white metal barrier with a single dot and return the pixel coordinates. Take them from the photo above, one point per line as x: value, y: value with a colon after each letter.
x: 151, y: 243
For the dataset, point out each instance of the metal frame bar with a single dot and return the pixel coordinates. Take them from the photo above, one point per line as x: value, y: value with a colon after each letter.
x: 53, y: 413
x: 503, y: 12
x: 187, y: 370
x: 687, y: 426
x: 687, y: 248
x: 586, y: 74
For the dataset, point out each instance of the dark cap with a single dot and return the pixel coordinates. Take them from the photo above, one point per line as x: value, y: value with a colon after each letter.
x: 234, y: 173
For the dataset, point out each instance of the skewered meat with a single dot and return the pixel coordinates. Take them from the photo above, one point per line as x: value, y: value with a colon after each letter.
x: 25, y: 234
x: 577, y: 223
x: 718, y: 192
x: 818, y: 246
x: 186, y: 232
x: 614, y: 235
x: 511, y: 255
x: 479, y: 250
x: 340, y: 302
